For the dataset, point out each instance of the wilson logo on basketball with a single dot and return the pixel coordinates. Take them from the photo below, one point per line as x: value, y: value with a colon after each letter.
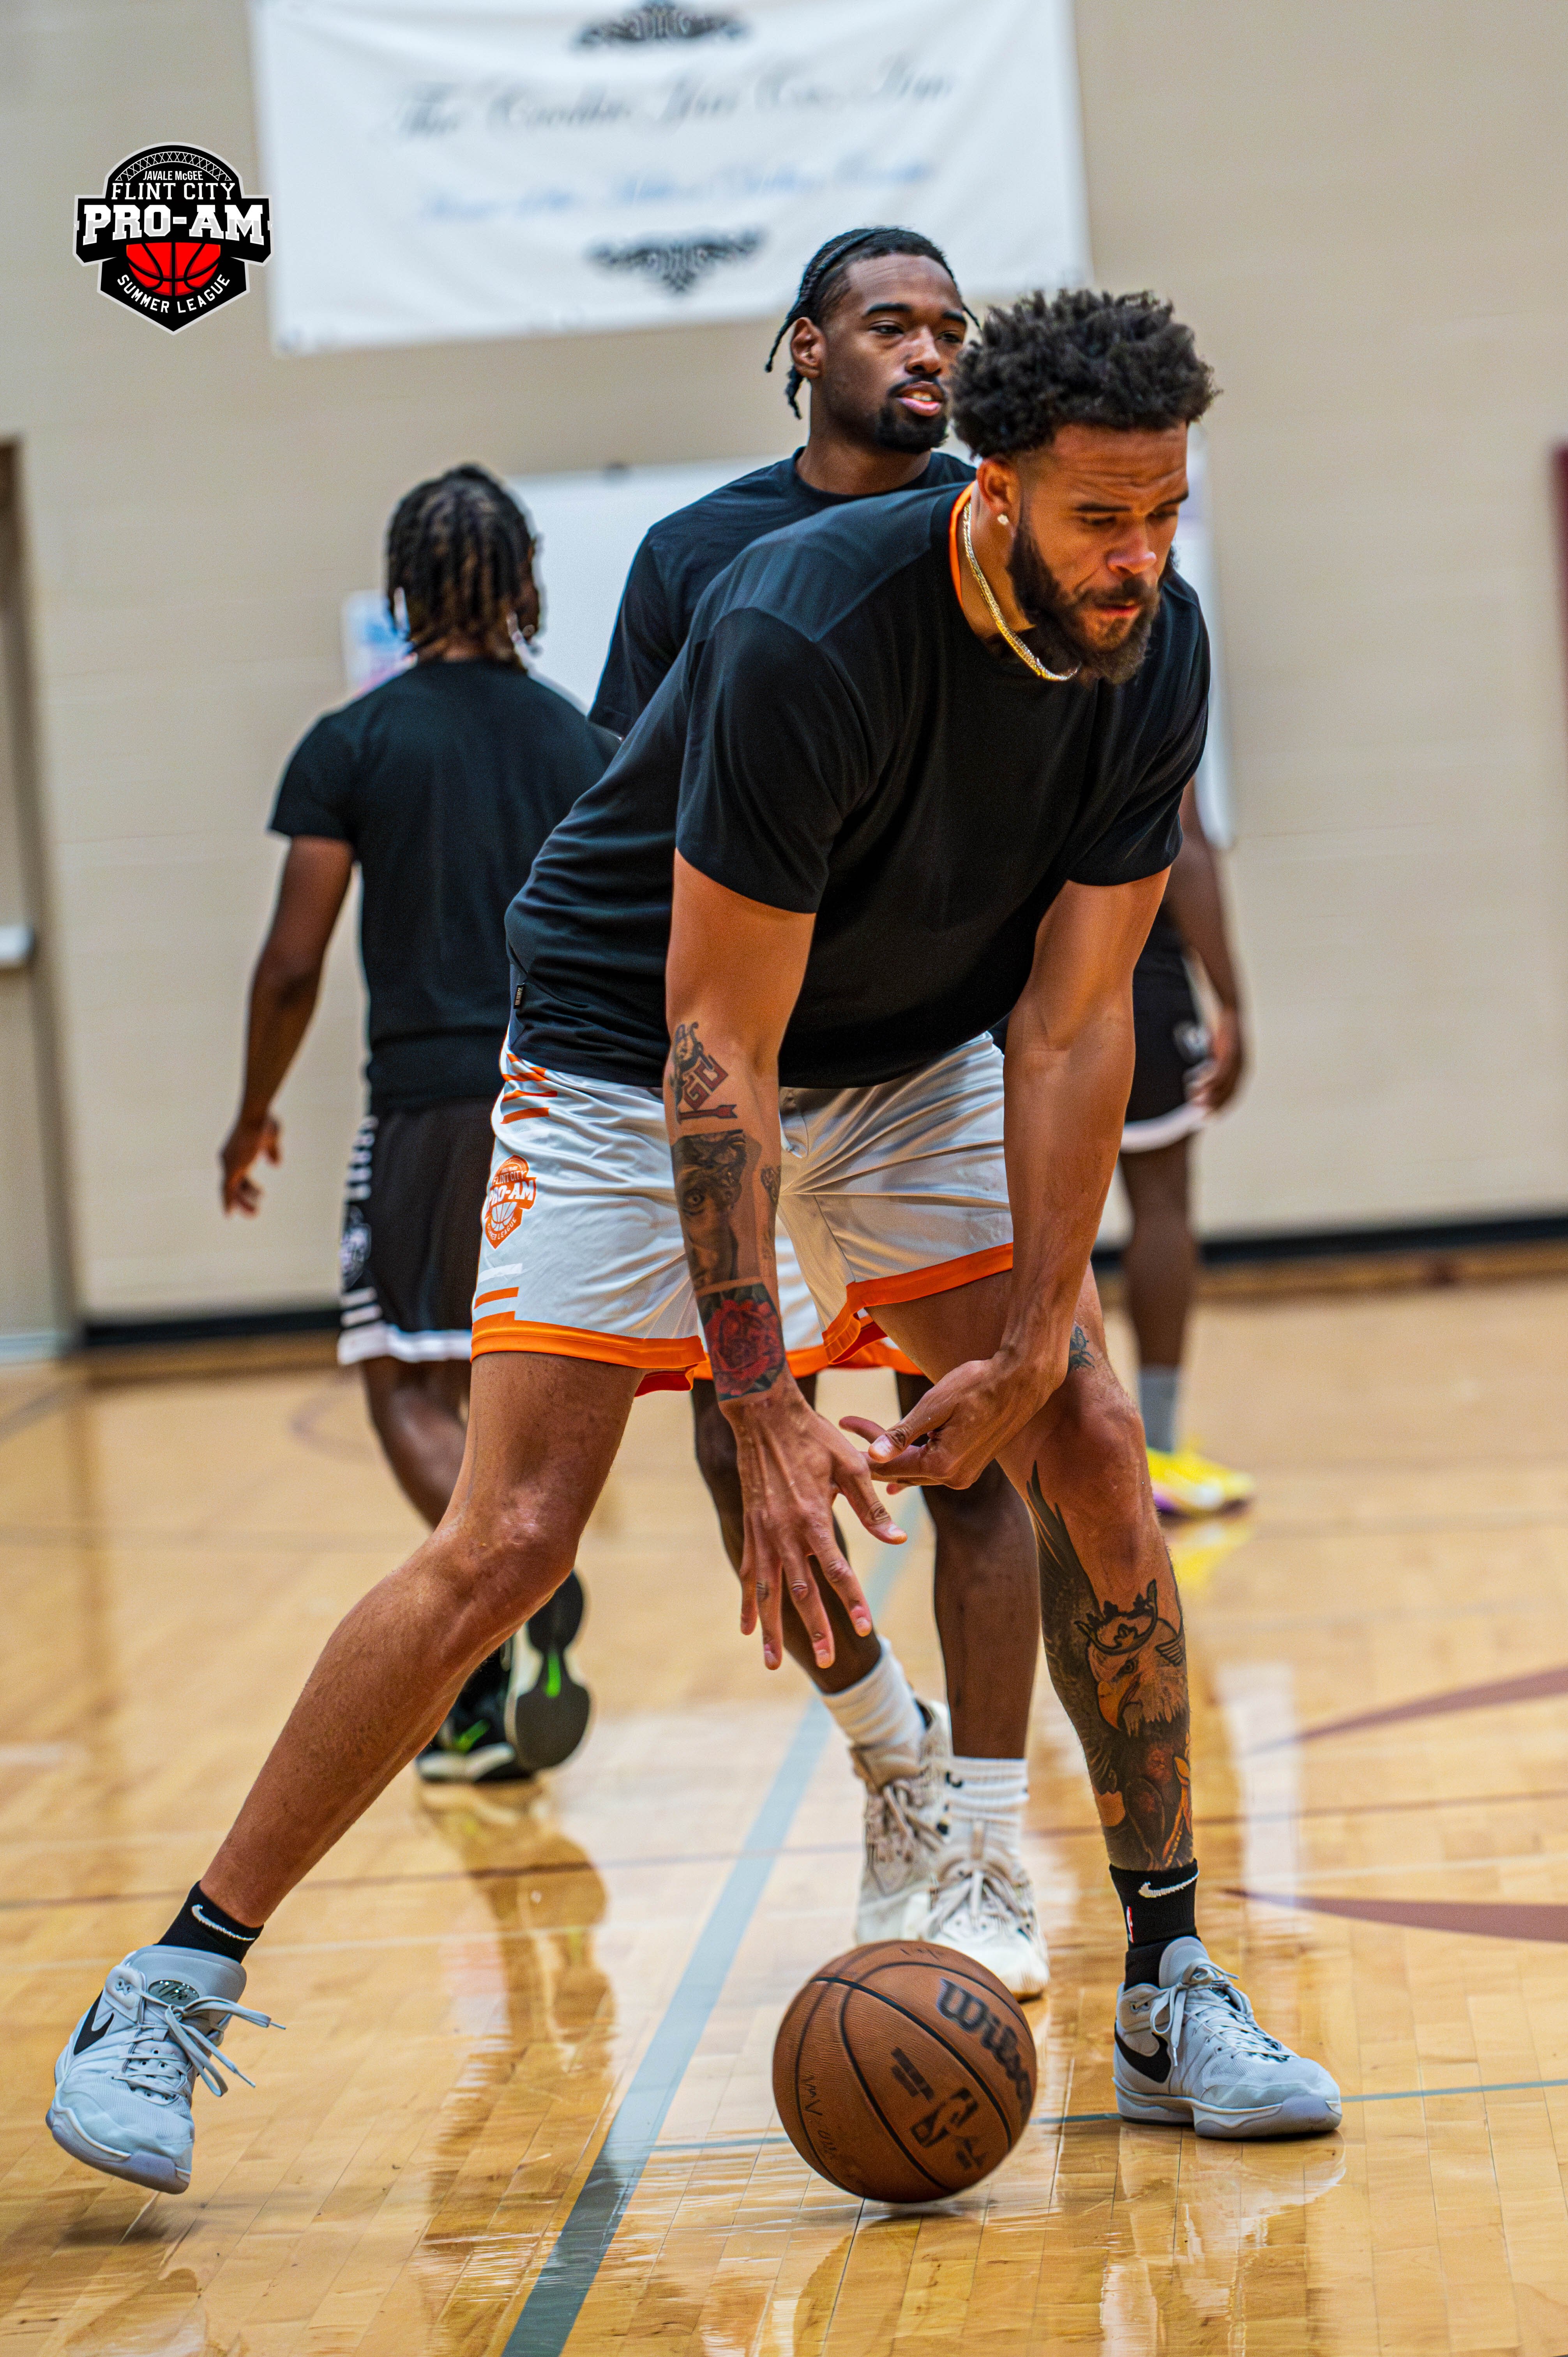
x: 172, y: 233
x: 512, y: 1190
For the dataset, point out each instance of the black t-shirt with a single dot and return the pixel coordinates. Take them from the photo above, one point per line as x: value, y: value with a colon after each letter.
x: 835, y: 739
x: 682, y: 553
x: 444, y: 781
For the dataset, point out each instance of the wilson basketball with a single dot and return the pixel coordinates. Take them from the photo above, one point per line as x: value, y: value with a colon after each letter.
x: 173, y: 266
x: 904, y: 2072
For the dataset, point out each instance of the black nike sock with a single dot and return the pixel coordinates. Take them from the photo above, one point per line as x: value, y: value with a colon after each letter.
x: 1159, y: 1904
x: 202, y: 1924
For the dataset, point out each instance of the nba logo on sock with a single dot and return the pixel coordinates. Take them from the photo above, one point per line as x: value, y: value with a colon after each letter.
x: 512, y: 1190
x: 172, y: 233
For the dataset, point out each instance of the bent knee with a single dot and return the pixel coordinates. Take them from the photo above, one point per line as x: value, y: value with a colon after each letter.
x: 1097, y: 1438
x: 501, y: 1566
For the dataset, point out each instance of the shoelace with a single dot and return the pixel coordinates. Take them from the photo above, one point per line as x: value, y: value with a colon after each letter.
x: 160, y: 2023
x: 984, y: 1892
x: 1226, y: 2014
x: 897, y: 1830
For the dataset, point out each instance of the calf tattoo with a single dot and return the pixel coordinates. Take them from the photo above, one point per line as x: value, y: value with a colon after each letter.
x: 694, y: 1077
x: 1120, y: 1671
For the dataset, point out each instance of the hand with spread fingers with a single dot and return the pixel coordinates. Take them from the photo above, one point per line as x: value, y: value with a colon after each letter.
x: 793, y: 1464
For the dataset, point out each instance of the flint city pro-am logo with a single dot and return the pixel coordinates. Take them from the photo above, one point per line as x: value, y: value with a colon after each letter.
x: 172, y: 233
x: 513, y: 1191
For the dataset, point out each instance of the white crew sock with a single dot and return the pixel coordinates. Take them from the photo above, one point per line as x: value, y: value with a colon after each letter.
x: 989, y: 1793
x: 879, y: 1713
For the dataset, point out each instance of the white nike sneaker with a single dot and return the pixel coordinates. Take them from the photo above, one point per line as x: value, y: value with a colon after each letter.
x: 1191, y: 2053
x: 123, y: 2086
x: 983, y: 1905
x: 903, y: 1831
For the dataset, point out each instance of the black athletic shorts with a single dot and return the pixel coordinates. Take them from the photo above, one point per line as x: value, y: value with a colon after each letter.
x: 410, y: 1247
x: 1170, y: 1045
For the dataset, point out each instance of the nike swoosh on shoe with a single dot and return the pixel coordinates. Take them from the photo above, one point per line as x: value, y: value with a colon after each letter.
x: 89, y: 2034
x: 1155, y: 2066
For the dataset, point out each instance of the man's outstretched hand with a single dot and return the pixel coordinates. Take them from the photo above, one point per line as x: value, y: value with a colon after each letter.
x: 962, y: 1424
x: 248, y: 1142
x: 793, y: 1464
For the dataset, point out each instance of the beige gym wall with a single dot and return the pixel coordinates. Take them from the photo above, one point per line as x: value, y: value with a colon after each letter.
x: 1361, y: 208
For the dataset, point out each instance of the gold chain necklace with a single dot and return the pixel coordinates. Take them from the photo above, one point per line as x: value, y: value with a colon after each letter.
x: 1019, y: 649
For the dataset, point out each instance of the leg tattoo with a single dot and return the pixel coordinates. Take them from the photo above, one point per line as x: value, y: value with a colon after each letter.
x: 1121, y: 1673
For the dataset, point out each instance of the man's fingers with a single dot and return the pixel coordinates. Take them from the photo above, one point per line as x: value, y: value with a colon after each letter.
x: 851, y: 1594
x: 771, y: 1614
x: 924, y: 1419
x: 806, y: 1597
x: 854, y: 1484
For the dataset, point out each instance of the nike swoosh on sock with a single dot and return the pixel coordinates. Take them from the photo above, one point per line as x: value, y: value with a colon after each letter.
x: 1166, y: 1891
x: 227, y: 1930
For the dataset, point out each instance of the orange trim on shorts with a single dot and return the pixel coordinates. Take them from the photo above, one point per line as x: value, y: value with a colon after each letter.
x: 678, y: 1356
x: 911, y: 1284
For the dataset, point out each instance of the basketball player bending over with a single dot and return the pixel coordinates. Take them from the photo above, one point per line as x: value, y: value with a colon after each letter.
x: 912, y: 770
x: 873, y: 331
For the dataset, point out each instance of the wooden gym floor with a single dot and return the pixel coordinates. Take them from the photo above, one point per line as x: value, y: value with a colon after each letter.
x: 522, y: 2101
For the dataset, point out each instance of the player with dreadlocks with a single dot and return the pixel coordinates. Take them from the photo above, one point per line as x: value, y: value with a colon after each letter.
x: 442, y: 783
x: 873, y: 331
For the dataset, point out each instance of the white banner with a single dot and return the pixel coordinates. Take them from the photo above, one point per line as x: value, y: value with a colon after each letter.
x: 453, y: 168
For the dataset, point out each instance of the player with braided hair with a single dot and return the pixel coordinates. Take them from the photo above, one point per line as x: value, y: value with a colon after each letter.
x: 825, y: 281
x: 442, y: 783
x: 461, y: 557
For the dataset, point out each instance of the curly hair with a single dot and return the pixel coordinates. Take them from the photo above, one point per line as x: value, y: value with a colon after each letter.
x: 825, y: 281
x: 460, y: 550
x: 1077, y: 359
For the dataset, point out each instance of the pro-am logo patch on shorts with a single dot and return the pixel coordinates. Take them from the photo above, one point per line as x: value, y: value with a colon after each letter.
x: 512, y: 1192
x: 172, y: 233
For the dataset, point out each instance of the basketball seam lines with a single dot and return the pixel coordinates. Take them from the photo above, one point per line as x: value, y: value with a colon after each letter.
x: 795, y: 2081
x: 893, y: 2006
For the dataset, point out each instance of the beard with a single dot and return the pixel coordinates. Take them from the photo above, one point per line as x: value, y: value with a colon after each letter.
x: 1056, y: 632
x: 892, y: 428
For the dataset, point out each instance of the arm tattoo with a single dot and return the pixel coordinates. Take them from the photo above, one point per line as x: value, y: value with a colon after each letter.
x: 1080, y: 1353
x: 1121, y: 1673
x: 709, y: 1175
x: 770, y: 1179
x: 693, y: 1077
x: 745, y: 1340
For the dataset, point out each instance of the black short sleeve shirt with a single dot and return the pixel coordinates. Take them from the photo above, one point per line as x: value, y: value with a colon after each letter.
x: 444, y: 781
x: 834, y: 738
x: 682, y: 553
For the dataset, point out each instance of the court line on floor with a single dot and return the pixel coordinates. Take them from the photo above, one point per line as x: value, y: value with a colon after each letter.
x: 556, y: 2300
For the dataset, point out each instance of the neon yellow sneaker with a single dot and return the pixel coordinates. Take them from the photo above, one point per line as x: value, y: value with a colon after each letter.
x: 1186, y: 1484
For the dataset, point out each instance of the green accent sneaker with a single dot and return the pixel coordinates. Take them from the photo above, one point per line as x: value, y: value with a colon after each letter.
x: 546, y: 1722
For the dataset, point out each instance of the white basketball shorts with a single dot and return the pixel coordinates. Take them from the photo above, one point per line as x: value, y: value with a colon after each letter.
x: 886, y: 1193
